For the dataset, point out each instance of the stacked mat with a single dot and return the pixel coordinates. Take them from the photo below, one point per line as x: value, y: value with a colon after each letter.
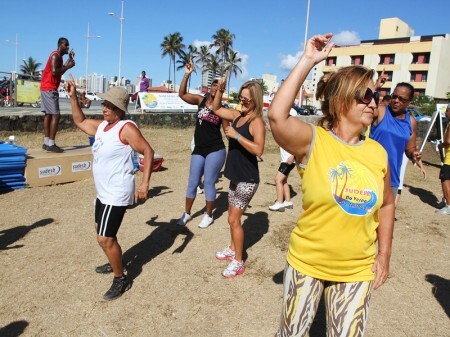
x: 12, y: 167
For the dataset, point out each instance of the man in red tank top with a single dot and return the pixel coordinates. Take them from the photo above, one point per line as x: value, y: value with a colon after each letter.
x: 51, y: 78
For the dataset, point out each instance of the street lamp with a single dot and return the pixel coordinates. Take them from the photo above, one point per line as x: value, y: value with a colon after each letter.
x: 87, y: 52
x: 121, y: 18
x: 16, y: 44
x: 300, y: 98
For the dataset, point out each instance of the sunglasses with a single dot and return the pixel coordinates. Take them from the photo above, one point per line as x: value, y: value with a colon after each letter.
x: 401, y: 99
x: 245, y: 99
x: 369, y: 95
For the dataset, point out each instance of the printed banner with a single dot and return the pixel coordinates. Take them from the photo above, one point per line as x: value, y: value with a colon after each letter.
x: 164, y: 101
x: 28, y: 91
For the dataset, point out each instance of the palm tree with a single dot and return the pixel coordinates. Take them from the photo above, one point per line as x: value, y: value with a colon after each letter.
x: 347, y: 172
x: 172, y: 45
x: 223, y: 40
x: 213, y: 65
x: 30, y: 67
x: 334, y: 175
x: 233, y: 68
x: 186, y: 58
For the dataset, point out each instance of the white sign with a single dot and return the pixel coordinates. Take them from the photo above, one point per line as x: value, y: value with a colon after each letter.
x: 50, y: 171
x: 164, y: 101
x: 441, y: 108
x: 80, y: 166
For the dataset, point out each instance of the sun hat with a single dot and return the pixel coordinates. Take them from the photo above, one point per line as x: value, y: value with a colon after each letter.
x: 117, y: 96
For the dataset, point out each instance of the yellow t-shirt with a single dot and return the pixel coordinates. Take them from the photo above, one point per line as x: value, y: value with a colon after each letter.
x: 342, y: 187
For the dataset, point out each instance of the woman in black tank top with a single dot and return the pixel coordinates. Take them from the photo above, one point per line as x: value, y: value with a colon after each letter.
x: 246, y: 137
x: 208, y: 154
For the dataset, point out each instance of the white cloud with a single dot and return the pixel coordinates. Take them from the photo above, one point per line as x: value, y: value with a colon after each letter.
x: 198, y: 43
x: 289, y: 61
x: 243, y: 66
x: 346, y: 38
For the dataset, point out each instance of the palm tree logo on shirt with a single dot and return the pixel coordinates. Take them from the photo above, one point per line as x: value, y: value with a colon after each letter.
x: 353, y: 187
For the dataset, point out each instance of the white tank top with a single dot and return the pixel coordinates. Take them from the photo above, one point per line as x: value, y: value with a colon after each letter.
x: 113, y: 167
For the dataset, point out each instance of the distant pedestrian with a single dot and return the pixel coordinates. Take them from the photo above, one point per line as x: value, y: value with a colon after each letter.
x: 51, y: 79
x: 144, y: 84
x: 444, y: 174
x: 84, y: 101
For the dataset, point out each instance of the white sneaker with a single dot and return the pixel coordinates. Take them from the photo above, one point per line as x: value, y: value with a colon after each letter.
x: 206, y: 221
x: 235, y: 268
x: 277, y: 207
x: 288, y: 204
x: 445, y: 210
x: 184, y: 219
x: 199, y: 190
x: 226, y: 254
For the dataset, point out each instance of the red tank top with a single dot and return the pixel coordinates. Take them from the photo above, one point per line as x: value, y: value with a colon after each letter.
x: 48, y: 81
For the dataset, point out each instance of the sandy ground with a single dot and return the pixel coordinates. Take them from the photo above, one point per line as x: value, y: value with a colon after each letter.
x: 48, y: 253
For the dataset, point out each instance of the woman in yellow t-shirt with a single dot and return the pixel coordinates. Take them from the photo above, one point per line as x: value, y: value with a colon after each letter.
x: 341, y: 245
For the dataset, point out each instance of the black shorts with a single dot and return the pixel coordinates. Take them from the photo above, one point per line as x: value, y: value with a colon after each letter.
x: 286, y: 168
x: 108, y: 218
x: 444, y: 173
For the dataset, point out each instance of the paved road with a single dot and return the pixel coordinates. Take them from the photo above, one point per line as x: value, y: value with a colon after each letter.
x: 64, y: 105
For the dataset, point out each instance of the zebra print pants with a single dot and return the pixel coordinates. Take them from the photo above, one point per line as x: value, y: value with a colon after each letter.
x: 346, y: 305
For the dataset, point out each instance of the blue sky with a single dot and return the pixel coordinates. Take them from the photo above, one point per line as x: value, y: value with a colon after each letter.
x: 269, y: 34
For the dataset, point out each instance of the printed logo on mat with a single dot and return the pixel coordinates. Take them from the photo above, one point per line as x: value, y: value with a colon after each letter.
x: 80, y: 166
x: 50, y: 171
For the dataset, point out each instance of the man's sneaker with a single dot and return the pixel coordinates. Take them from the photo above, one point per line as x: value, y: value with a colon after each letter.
x: 106, y: 268
x: 206, y: 221
x: 45, y: 147
x: 445, y: 210
x: 288, y: 204
x: 235, y: 268
x: 54, y: 148
x: 277, y: 207
x: 226, y: 254
x: 199, y: 190
x: 184, y: 219
x: 118, y: 287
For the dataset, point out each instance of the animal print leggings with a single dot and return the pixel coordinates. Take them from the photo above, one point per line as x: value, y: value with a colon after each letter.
x: 346, y: 305
x: 240, y: 194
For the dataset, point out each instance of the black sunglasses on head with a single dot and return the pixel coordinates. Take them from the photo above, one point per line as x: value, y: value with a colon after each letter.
x: 368, y: 95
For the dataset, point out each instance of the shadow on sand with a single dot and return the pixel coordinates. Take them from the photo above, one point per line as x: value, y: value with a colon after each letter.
x: 424, y: 195
x: 441, y: 291
x: 14, y: 329
x: 157, y: 242
x: 11, y: 235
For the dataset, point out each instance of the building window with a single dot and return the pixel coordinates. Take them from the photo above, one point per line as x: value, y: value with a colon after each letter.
x: 386, y: 73
x: 331, y: 61
x: 419, y: 92
x: 421, y: 58
x: 384, y: 92
x: 419, y: 76
x: 387, y: 59
x: 357, y: 60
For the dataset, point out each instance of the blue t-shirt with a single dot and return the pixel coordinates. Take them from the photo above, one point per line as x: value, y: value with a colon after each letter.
x: 393, y: 134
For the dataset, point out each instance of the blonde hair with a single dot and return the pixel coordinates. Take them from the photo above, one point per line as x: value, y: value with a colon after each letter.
x: 339, y: 90
x: 256, y: 94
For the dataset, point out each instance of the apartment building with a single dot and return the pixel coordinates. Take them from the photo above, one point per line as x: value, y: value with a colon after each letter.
x: 422, y: 61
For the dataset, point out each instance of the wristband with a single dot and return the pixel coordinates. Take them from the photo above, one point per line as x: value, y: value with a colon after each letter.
x: 237, y: 137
